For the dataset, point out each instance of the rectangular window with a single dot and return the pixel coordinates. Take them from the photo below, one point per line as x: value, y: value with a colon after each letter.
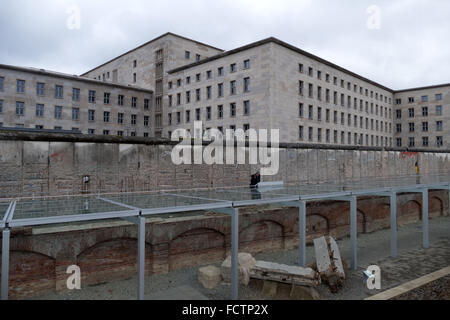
x: 300, y: 110
x: 319, y: 114
x: 246, y: 84
x: 439, y: 97
x: 411, y: 112
x: 310, y: 90
x: 40, y: 89
x: 197, y: 114
x: 178, y: 117
x: 399, y: 114
x: 208, y: 92
x: 300, y: 67
x: 178, y: 99
x: 232, y: 87
x: 425, y: 126
x: 208, y: 74
x: 58, y: 112
x: 20, y: 108
x: 439, y: 125
x: 247, y: 64
x: 75, y: 94
x: 188, y: 80
x: 208, y: 113
x: 220, y: 90
x: 134, y: 77
x: 424, y: 98
x: 411, y: 127
x: 120, y: 118
x: 106, y: 98
x: 198, y: 77
x: 1, y: 106
x: 197, y: 57
x: 20, y: 86
x: 412, y: 142
x: 411, y: 99
x: 399, y: 127
x: 425, y: 111
x: 246, y: 108
x: 188, y: 116
x: 75, y: 114
x: 187, y: 55
x: 39, y: 110
x: 310, y: 71
x: 439, y: 141
x: 58, y: 92
x: 146, y: 104
x: 197, y: 94
x: 232, y: 67
x: 91, y: 96
x: 310, y: 113
x: 300, y: 132
x: 120, y: 100
x: 399, y: 142
x: 106, y: 132
x: 188, y: 97
x: 220, y: 71
x: 134, y: 102
x: 106, y: 116
x: 120, y: 133
x: 439, y: 110
x: 232, y: 110
x: 91, y: 115
x: 310, y: 133
x: 133, y: 119
x: 425, y: 141
x: 300, y: 88
x: 2, y: 81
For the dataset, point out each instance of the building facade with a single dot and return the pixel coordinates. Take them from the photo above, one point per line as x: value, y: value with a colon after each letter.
x: 39, y: 99
x: 269, y: 84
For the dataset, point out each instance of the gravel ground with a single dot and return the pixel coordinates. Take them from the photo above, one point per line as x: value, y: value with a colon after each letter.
x: 436, y: 290
x: 412, y: 262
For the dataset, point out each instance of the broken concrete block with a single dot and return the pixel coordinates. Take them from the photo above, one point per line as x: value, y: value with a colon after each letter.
x: 245, y: 263
x: 329, y: 262
x: 285, y: 274
x: 210, y: 277
x: 304, y: 293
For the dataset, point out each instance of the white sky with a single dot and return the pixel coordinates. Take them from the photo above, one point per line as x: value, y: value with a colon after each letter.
x: 411, y: 47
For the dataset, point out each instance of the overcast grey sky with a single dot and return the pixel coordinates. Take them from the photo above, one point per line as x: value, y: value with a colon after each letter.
x: 410, y: 48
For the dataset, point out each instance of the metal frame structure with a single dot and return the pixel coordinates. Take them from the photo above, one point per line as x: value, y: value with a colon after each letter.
x: 228, y: 202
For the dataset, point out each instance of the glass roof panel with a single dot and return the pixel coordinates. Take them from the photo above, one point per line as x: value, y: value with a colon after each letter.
x: 67, y: 206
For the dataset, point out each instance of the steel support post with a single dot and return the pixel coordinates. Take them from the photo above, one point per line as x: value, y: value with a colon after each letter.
x: 393, y: 205
x: 141, y: 257
x: 5, y: 263
x: 354, y: 232
x: 425, y: 229
x: 234, y: 254
x: 302, y: 233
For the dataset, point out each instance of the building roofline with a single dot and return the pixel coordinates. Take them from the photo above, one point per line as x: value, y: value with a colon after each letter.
x: 148, y: 42
x: 286, y: 45
x: 50, y: 73
x: 424, y: 88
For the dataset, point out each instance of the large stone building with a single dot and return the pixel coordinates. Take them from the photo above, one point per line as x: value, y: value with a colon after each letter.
x: 269, y: 85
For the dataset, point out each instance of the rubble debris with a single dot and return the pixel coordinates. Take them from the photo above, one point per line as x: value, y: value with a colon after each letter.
x: 304, y: 293
x: 285, y: 274
x: 210, y: 277
x: 245, y: 263
x: 329, y: 262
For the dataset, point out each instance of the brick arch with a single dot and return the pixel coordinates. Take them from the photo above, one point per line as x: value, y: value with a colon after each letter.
x: 112, y: 259
x: 262, y: 235
x: 362, y: 221
x: 317, y: 225
x: 409, y: 212
x: 196, y: 247
x: 435, y: 207
x: 30, y: 273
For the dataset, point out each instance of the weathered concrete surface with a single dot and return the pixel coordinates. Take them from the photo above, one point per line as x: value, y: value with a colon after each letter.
x: 210, y: 277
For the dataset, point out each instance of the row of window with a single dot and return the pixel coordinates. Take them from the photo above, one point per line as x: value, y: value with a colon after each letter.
x: 349, y: 119
x: 220, y: 92
x: 439, y: 142
x: 411, y: 112
x: 437, y: 97
x: 58, y: 114
x: 324, y: 135
x: 208, y: 116
x: 200, y: 133
x: 220, y: 73
x: 425, y: 127
x: 76, y: 93
x: 362, y: 91
x: 349, y: 102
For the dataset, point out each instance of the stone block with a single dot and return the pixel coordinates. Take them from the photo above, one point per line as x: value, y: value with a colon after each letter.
x: 210, y: 277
